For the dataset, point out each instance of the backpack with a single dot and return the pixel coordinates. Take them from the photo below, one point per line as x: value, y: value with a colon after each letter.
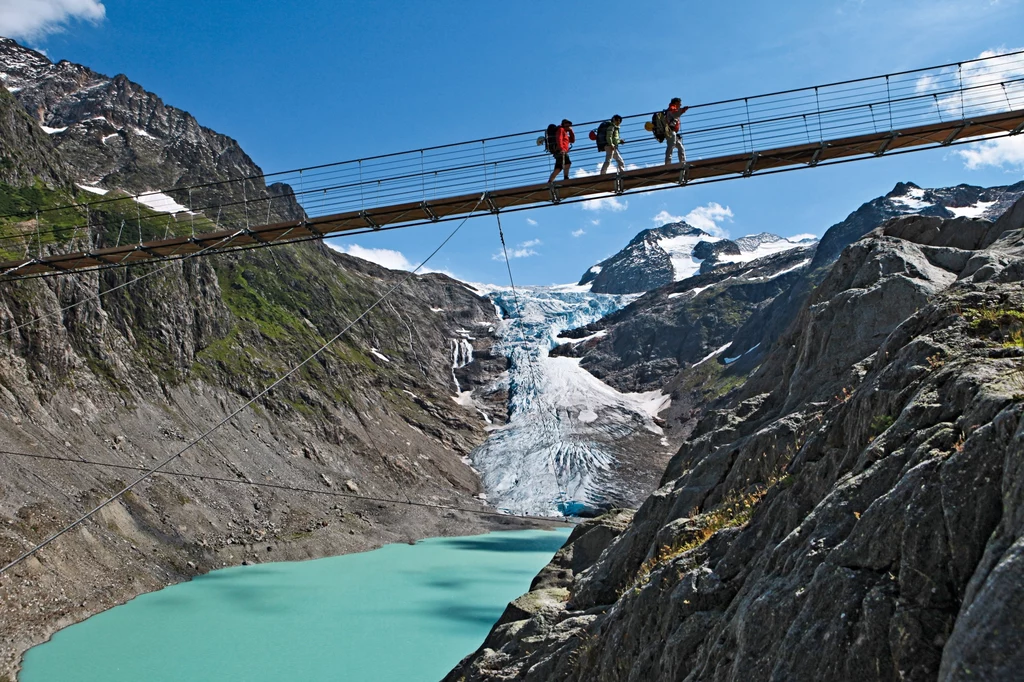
x: 602, y: 135
x: 658, y: 126
x: 551, y: 140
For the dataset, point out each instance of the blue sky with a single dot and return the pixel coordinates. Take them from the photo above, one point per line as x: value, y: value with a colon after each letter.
x: 302, y: 83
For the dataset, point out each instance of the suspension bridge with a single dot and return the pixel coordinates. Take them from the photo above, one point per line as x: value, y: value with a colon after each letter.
x: 865, y: 118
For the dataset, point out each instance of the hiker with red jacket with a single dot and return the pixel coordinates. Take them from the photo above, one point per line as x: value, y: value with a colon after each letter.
x: 559, y: 148
x: 673, y: 139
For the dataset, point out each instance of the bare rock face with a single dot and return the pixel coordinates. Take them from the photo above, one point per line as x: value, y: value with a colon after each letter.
x: 117, y: 135
x: 677, y: 325
x: 853, y: 512
x: 26, y: 153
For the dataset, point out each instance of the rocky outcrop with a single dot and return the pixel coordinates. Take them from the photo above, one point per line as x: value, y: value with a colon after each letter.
x: 26, y: 153
x: 678, y: 325
x: 643, y: 264
x: 117, y: 135
x: 854, y: 511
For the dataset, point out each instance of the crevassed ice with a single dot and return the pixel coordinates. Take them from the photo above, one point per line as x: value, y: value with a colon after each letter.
x: 557, y: 450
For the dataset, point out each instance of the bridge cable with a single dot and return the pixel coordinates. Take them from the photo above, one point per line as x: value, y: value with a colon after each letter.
x: 155, y: 469
x: 281, y: 486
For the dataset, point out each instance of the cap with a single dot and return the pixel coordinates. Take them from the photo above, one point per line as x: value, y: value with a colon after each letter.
x: 566, y: 122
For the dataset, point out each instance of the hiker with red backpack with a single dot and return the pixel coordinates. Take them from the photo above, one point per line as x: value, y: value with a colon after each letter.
x: 665, y: 126
x: 558, y: 140
x: 608, y: 141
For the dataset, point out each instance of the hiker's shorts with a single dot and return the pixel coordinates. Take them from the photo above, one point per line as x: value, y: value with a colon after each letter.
x: 561, y: 160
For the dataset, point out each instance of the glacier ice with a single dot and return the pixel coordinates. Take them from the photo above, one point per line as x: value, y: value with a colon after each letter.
x: 557, y: 455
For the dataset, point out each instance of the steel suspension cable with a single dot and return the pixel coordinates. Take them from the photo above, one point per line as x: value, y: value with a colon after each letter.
x: 287, y: 488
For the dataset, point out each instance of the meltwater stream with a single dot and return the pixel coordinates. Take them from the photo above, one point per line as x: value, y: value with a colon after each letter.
x: 560, y: 452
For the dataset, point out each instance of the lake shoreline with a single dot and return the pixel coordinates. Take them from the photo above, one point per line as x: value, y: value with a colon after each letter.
x: 523, y: 544
x: 125, y: 588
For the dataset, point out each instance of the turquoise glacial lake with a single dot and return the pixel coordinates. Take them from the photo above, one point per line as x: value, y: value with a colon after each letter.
x: 402, y: 613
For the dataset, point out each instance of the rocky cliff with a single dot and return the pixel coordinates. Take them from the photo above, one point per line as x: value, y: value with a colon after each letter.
x: 853, y: 512
x: 104, y: 374
x: 674, y: 252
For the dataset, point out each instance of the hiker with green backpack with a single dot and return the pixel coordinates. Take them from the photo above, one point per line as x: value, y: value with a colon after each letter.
x: 608, y: 141
x: 665, y: 126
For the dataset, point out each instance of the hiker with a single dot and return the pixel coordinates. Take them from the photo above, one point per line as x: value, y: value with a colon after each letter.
x: 563, y: 139
x: 612, y: 140
x: 672, y: 137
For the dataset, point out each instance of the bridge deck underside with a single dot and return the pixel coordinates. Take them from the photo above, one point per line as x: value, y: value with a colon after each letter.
x: 407, y: 214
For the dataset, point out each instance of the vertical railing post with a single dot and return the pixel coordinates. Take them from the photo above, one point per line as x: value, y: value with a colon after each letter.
x: 362, y: 201
x: 888, y: 100
x: 483, y: 152
x: 245, y: 205
x: 750, y: 129
x: 423, y: 176
x: 817, y: 109
x: 960, y: 73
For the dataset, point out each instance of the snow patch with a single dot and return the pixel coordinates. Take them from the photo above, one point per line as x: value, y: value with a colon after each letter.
x: 765, y: 248
x: 52, y: 131
x: 94, y: 190
x: 712, y: 354
x: 975, y: 211
x: 143, y: 133
x: 680, y: 252
x: 380, y: 355
x: 913, y: 200
x: 158, y: 201
x: 582, y: 339
x: 729, y: 361
x: 694, y: 291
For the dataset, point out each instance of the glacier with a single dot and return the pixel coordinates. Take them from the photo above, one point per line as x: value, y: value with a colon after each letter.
x: 562, y: 449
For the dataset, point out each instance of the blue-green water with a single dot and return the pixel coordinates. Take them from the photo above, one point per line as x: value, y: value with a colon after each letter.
x: 403, y: 612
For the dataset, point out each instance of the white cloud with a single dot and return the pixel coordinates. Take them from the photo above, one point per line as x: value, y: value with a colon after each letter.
x: 32, y: 19
x: 595, y: 223
x: 706, y: 218
x: 522, y: 250
x: 388, y: 258
x: 603, y: 202
x: 664, y: 218
x: 608, y: 203
x: 579, y: 233
x: 802, y: 237
x: 531, y: 221
x: 1004, y: 152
